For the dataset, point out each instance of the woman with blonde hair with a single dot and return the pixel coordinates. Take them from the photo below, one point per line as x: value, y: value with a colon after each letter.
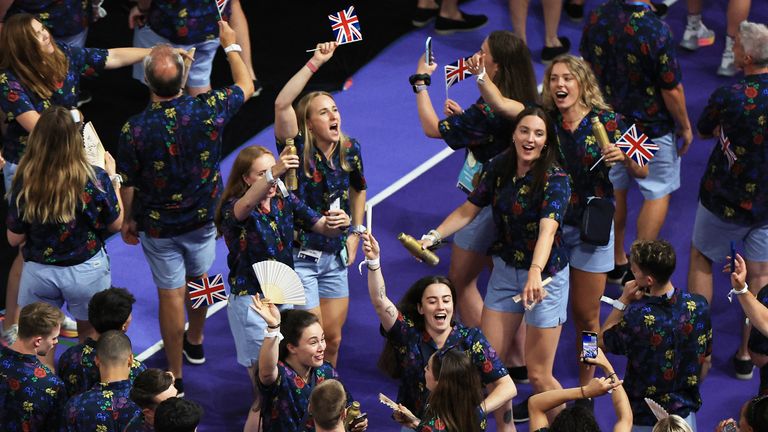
x: 673, y: 423
x: 330, y: 181
x: 61, y: 210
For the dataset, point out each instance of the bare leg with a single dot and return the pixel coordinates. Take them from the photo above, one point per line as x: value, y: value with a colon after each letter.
x: 463, y: 272
x: 427, y: 4
x: 516, y: 355
x: 700, y: 275
x: 651, y: 218
x: 450, y: 9
x: 171, y: 311
x: 540, y: 348
x: 552, y: 10
x: 757, y: 275
x: 695, y: 7
x: 619, y: 226
x: 334, y: 312
x: 738, y: 11
x: 499, y: 328
x: 586, y: 289
x: 518, y: 13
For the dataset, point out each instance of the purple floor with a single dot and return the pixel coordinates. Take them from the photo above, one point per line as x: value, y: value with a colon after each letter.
x: 379, y: 110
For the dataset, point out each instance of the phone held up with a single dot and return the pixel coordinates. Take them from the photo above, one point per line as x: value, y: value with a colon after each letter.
x: 589, y: 344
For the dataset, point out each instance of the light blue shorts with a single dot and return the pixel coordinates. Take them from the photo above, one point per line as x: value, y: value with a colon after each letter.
x: 587, y: 257
x: 663, y: 171
x: 712, y: 237
x: 72, y: 284
x: 174, y: 259
x: 247, y: 328
x: 507, y: 281
x: 9, y: 170
x: 77, y: 40
x: 326, y: 278
x: 691, y: 420
x: 199, y: 73
x: 478, y: 235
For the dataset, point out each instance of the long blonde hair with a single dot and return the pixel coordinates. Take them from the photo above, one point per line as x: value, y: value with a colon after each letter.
x: 302, y: 116
x: 53, y: 171
x: 590, y: 95
x: 35, y: 69
x: 236, y: 186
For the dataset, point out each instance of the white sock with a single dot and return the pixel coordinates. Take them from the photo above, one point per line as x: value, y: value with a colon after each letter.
x: 728, y: 44
x: 694, y: 21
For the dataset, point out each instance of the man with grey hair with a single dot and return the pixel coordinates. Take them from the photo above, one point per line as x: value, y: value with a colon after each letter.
x: 733, y: 195
x: 168, y: 158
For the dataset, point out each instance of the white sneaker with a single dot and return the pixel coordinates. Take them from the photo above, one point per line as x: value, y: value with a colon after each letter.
x: 69, y: 328
x: 727, y: 65
x: 694, y: 37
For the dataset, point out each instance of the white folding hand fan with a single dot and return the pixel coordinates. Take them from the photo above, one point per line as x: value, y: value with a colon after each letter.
x: 279, y: 283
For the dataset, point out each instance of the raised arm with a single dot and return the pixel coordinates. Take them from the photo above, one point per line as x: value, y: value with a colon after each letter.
x: 540, y: 403
x: 240, y: 74
x: 270, y: 348
x: 385, y: 309
x: 427, y: 115
x: 258, y: 190
x: 286, y: 125
x: 753, y: 308
x: 491, y: 94
x: 357, y: 208
x: 119, y: 57
x: 618, y: 396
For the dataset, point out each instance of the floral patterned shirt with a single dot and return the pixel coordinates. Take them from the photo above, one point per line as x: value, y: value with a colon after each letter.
x: 435, y: 424
x: 106, y: 407
x: 186, y: 21
x: 15, y: 99
x: 77, y: 367
x: 738, y: 193
x: 262, y: 236
x: 138, y: 424
x: 32, y: 397
x: 328, y: 182
x: 666, y: 340
x: 478, y: 129
x: 71, y: 243
x: 632, y: 53
x: 579, y: 151
x: 62, y: 17
x: 285, y: 403
x: 517, y: 211
x: 415, y: 347
x: 171, y: 153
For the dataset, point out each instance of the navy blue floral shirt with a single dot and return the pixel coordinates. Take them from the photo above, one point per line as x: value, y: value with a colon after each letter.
x: 666, y: 340
x: 171, y: 153
x: 186, y: 21
x: 738, y: 192
x: 579, y: 150
x: 517, y: 211
x: 32, y: 397
x: 262, y: 236
x: 285, y: 403
x: 61, y: 17
x: 74, y: 242
x: 328, y: 182
x: 415, y: 347
x: 106, y: 407
x: 478, y: 129
x: 632, y: 53
x: 138, y: 424
x: 15, y: 99
x: 77, y: 367
x: 431, y: 423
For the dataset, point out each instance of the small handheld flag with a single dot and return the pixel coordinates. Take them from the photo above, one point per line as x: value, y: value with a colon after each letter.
x: 638, y: 147
x: 220, y: 5
x: 207, y: 290
x: 456, y: 71
x: 725, y: 145
x: 346, y: 26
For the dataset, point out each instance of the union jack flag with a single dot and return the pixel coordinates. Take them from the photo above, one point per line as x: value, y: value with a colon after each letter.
x: 207, y: 289
x: 220, y: 4
x: 725, y: 144
x: 638, y: 147
x: 346, y: 26
x: 456, y: 71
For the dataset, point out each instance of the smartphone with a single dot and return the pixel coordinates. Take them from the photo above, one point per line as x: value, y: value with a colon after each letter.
x: 357, y: 420
x: 589, y: 344
x: 729, y: 427
x: 733, y: 256
x: 428, y: 51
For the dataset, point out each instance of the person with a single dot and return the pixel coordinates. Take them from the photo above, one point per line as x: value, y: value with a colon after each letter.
x: 68, y: 21
x: 732, y: 204
x: 529, y: 194
x: 330, y: 181
x: 37, y: 72
x: 106, y: 407
x: 448, y: 18
x: 32, y: 396
x: 455, y: 400
x: 420, y: 326
x: 290, y: 366
x: 108, y: 310
x: 647, y: 92
x: 257, y: 225
x: 328, y: 406
x: 753, y: 417
x: 646, y: 329
x: 673, y: 423
x: 554, y: 45
x: 62, y: 210
x: 150, y: 388
x: 579, y: 417
x: 178, y: 415
x: 169, y: 158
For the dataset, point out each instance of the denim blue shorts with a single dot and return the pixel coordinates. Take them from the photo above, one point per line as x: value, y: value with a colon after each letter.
x: 587, y: 257
x: 478, y: 235
x: 712, y: 237
x: 247, y: 328
x: 507, y: 281
x: 174, y: 259
x: 199, y: 72
x: 326, y: 278
x: 72, y: 284
x: 663, y: 171
x: 9, y: 170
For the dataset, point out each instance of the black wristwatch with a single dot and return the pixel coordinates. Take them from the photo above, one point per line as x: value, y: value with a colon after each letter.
x: 420, y: 77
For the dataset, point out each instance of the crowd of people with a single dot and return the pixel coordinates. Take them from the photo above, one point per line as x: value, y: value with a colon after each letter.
x: 546, y: 210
